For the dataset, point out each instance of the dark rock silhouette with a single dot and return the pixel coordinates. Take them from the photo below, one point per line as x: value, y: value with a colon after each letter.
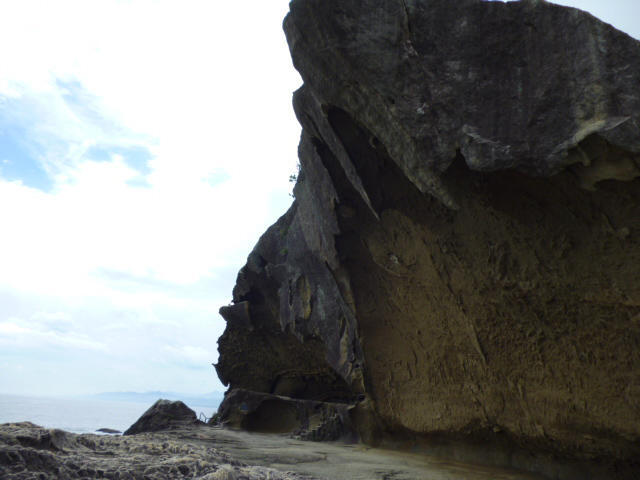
x: 162, y: 415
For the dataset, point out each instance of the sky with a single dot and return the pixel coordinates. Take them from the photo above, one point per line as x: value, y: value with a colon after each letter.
x: 145, y: 145
x: 144, y: 148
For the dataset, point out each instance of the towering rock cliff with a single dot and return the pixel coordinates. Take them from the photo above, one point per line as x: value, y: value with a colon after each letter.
x: 462, y: 259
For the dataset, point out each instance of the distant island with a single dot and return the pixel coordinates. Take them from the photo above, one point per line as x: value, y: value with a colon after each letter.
x: 211, y: 399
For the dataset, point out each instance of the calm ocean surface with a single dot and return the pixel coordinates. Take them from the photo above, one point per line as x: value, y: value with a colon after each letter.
x: 77, y: 415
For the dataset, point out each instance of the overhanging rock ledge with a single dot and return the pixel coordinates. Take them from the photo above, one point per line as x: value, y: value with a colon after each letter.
x: 462, y: 257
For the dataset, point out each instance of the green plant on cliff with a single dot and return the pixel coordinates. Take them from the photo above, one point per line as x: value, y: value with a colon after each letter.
x: 293, y: 178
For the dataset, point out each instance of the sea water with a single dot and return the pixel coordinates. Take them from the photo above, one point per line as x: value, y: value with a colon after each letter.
x: 77, y: 415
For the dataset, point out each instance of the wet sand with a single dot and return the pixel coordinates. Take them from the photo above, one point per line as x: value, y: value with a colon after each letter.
x: 339, y: 461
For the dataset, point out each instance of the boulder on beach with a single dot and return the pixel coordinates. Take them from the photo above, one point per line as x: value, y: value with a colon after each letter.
x: 163, y: 415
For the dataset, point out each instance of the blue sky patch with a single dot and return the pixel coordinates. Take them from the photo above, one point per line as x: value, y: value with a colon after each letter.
x: 139, y: 182
x: 19, y: 160
x: 218, y: 177
x: 137, y: 157
x: 82, y: 103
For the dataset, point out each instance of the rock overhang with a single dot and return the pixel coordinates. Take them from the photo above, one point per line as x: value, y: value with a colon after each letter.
x: 459, y: 257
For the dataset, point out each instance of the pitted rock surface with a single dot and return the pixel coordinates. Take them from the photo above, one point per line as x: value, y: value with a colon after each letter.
x: 29, y: 452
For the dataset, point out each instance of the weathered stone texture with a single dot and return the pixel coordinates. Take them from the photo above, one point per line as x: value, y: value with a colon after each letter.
x: 463, y: 254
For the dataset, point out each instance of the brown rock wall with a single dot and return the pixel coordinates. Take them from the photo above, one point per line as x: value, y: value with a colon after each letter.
x: 462, y: 257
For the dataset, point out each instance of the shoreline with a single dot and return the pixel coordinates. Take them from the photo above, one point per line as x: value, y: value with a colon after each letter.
x: 77, y: 414
x: 168, y: 441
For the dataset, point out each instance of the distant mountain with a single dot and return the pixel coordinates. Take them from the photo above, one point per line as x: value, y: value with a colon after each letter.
x: 211, y: 399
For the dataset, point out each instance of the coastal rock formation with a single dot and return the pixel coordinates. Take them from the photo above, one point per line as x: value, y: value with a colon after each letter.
x: 462, y: 257
x: 163, y: 415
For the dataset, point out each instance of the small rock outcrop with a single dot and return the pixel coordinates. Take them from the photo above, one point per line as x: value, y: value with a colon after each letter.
x: 461, y: 260
x: 163, y: 415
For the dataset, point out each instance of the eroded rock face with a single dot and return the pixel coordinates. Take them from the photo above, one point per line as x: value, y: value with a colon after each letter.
x: 464, y: 249
x: 510, y: 86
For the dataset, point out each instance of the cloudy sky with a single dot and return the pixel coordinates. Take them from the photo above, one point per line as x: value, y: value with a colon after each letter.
x: 144, y: 147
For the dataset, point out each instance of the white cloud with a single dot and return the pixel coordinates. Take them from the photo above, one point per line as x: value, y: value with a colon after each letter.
x: 188, y: 355
x: 140, y: 260
x: 163, y: 71
x: 23, y: 334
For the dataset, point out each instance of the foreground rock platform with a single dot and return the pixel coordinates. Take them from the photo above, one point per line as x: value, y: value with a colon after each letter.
x: 209, y: 453
x: 462, y: 256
